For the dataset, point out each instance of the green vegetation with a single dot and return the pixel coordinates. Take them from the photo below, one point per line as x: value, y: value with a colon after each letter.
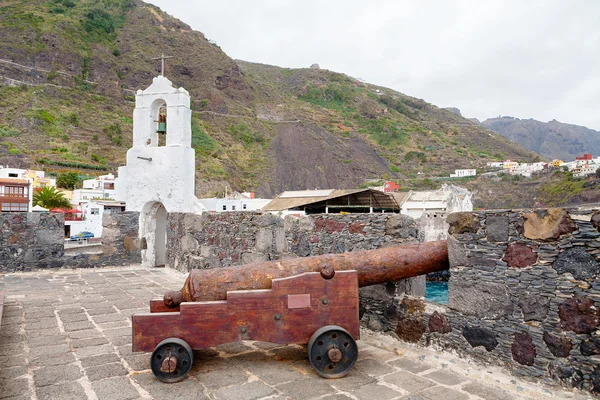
x: 49, y: 197
x: 68, y: 180
x: 558, y: 192
x: 114, y: 133
x: 201, y: 141
x: 334, y: 94
x: 71, y: 164
x: 416, y: 156
x: 244, y: 134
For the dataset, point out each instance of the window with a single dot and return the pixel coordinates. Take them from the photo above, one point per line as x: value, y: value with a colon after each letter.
x: 233, y: 208
x: 18, y: 207
x: 106, y: 195
x: 15, y: 191
x: 95, y: 211
x: 13, y: 175
x: 224, y: 207
x: 244, y: 206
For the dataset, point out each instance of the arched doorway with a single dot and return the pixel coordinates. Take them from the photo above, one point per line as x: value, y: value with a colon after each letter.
x: 153, y: 234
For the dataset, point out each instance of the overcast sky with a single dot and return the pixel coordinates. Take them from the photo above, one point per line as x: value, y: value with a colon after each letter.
x: 524, y: 58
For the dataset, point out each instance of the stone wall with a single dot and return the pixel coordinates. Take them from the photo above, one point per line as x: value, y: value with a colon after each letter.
x: 524, y: 292
x: 213, y: 240
x: 31, y: 241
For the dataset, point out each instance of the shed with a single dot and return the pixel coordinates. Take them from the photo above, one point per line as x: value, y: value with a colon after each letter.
x: 333, y: 201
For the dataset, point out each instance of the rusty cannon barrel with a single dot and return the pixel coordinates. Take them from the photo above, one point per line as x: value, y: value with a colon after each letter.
x: 372, y: 266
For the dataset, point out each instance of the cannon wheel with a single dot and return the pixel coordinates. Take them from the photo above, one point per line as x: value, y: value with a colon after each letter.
x: 171, y: 360
x: 332, y: 351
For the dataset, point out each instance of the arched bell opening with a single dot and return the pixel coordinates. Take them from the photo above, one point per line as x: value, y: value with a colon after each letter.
x: 161, y: 128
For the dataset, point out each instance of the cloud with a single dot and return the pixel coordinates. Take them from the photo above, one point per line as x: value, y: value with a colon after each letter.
x: 534, y: 59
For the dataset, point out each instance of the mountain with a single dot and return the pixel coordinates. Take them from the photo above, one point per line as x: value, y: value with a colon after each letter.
x: 69, y: 71
x: 552, y: 140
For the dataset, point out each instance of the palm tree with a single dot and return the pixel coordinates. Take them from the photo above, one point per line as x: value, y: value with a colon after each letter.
x: 48, y: 197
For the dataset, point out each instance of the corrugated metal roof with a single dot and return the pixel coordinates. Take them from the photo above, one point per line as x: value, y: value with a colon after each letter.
x: 360, y: 197
x: 306, y: 193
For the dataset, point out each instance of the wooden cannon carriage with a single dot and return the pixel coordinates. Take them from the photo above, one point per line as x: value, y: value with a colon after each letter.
x: 310, y: 301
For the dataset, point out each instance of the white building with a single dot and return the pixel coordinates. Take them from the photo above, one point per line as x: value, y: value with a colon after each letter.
x: 449, y: 198
x: 461, y: 173
x: 91, y: 220
x: 235, y: 202
x: 160, y: 171
x: 585, y: 170
x: 105, y: 184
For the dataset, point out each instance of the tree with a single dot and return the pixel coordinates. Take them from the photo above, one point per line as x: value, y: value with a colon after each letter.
x: 68, y: 180
x: 49, y: 197
x: 598, y: 173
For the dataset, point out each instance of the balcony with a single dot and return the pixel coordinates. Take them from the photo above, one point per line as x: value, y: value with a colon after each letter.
x: 15, y: 196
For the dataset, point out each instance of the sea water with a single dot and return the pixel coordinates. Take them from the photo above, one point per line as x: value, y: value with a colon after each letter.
x: 436, y: 292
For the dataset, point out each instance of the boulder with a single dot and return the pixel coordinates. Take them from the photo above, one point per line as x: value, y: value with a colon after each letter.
x: 548, y: 224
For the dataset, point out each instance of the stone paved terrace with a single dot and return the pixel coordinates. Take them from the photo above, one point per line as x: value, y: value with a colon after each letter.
x: 67, y: 335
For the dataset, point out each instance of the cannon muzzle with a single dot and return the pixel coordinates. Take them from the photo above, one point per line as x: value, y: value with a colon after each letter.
x: 372, y: 266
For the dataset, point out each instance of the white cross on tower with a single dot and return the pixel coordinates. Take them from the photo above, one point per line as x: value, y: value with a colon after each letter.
x: 162, y: 63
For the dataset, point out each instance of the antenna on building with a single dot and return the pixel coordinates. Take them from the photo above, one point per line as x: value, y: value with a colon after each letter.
x: 162, y: 59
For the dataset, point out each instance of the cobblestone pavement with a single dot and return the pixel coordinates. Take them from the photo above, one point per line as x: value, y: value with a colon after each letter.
x: 67, y: 335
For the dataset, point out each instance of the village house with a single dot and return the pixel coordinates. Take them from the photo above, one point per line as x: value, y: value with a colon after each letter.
x: 461, y: 173
x: 449, y: 198
x: 17, y: 186
x: 234, y: 202
x: 89, y: 219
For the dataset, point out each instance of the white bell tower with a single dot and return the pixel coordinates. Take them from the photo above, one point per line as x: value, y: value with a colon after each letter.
x: 160, y: 171
x: 161, y: 166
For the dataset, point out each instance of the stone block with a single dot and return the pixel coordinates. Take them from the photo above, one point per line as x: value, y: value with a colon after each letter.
x: 52, y: 375
x: 446, y: 377
x: 562, y: 371
x: 457, y: 254
x: 487, y: 392
x: 534, y: 307
x: 578, y: 262
x: 481, y: 299
x: 99, y: 372
x: 409, y: 382
x: 590, y: 347
x: 440, y: 392
x: 279, y: 241
x: 439, y: 323
x: 66, y: 391
x: 548, y: 224
x: 462, y: 222
x: 579, y: 314
x: 496, y: 227
x: 559, y: 346
x: 264, y: 240
x: 401, y: 226
x: 189, y: 244
x: 374, y: 391
x: 519, y: 255
x: 480, y: 337
x: 115, y: 389
x: 595, y: 219
x: 410, y: 329
x: 412, y: 286
x: 249, y: 258
x: 251, y: 391
x: 522, y: 349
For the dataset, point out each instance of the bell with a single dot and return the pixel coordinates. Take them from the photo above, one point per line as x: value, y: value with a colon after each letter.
x: 162, y: 127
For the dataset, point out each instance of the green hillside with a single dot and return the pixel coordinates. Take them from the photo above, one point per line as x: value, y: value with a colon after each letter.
x: 69, y: 70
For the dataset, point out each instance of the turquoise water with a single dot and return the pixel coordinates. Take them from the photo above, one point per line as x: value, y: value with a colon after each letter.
x: 436, y: 292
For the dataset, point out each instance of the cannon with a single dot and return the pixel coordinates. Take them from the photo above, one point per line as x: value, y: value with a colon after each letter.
x: 312, y: 300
